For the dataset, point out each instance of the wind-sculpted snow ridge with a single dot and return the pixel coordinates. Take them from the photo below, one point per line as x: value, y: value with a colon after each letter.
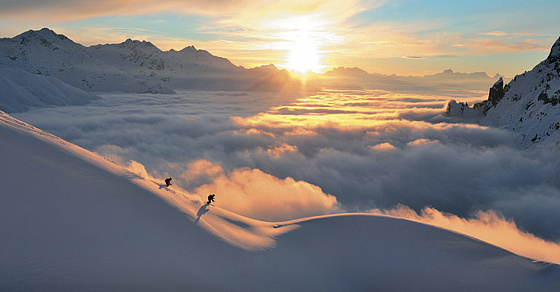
x: 528, y: 105
x: 71, y: 221
x: 133, y: 66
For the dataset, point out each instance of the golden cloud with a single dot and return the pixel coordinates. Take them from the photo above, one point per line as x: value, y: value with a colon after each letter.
x: 258, y: 195
x: 65, y: 10
x: 280, y: 149
x: 382, y: 147
x: 488, y: 226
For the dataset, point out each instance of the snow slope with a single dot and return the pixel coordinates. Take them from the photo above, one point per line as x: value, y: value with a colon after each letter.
x: 21, y: 90
x: 531, y: 104
x: 71, y: 220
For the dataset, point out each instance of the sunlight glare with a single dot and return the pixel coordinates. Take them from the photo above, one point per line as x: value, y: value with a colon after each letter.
x: 302, y: 44
x: 303, y: 56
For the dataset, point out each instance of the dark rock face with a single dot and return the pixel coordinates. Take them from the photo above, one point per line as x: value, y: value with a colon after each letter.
x: 497, y: 92
x: 461, y: 109
x: 554, y: 55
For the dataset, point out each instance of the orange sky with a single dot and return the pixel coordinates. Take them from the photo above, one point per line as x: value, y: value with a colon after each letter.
x: 389, y: 37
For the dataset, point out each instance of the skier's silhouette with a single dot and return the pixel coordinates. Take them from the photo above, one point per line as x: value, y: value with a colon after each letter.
x: 210, y: 199
x: 168, y: 182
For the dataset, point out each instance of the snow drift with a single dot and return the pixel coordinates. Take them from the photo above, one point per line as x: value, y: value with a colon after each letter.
x: 71, y: 220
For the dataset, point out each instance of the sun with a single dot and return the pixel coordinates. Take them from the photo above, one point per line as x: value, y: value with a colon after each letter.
x: 303, y: 56
x: 303, y: 38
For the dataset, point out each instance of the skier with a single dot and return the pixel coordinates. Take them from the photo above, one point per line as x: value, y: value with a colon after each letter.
x: 210, y: 199
x: 168, y: 182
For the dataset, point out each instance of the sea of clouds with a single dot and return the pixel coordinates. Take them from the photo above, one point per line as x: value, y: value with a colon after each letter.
x: 274, y: 157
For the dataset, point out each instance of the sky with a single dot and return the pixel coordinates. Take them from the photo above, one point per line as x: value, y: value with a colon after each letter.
x: 403, y: 37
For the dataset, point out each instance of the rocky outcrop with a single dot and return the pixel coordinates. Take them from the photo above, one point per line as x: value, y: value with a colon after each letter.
x: 478, y: 110
x: 497, y: 92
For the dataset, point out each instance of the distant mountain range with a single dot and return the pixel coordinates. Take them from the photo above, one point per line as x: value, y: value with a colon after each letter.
x: 132, y: 66
x: 446, y: 83
x: 75, y: 73
x: 529, y: 104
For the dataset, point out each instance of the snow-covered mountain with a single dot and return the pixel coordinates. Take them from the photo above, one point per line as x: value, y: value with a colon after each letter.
x: 131, y: 66
x: 46, y: 53
x: 73, y: 221
x: 528, y: 105
x: 21, y: 90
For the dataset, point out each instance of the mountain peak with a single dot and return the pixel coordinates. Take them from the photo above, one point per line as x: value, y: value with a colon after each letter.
x: 133, y: 44
x: 46, y: 36
x: 354, y: 71
x: 497, y: 91
x: 44, y: 32
x: 47, y: 32
x: 554, y: 52
x: 189, y: 49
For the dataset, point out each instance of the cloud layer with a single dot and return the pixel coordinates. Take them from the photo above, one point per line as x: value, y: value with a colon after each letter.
x: 332, y: 152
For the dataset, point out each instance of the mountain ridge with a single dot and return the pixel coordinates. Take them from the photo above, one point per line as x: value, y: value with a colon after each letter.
x: 529, y: 105
x: 131, y: 66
